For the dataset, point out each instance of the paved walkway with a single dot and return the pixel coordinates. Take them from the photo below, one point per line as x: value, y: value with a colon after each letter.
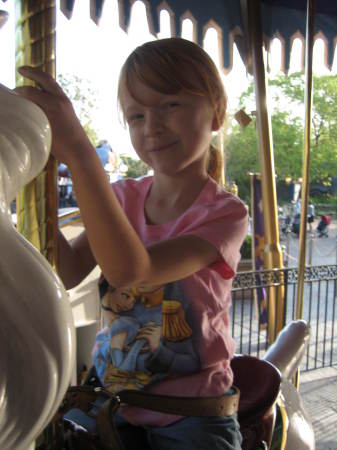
x: 319, y: 251
x: 318, y: 390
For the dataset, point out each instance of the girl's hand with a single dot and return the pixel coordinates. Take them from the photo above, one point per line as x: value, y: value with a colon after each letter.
x: 68, y: 136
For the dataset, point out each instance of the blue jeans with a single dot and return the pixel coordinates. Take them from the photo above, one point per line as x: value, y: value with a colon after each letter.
x: 190, y: 433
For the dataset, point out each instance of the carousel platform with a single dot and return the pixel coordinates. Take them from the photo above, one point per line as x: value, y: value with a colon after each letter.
x: 318, y: 390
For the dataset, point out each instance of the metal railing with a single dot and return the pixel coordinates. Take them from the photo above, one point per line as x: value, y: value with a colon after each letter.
x: 69, y: 216
x: 319, y: 310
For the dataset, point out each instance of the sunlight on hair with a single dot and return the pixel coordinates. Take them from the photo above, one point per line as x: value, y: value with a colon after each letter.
x: 187, y: 29
x: 236, y: 81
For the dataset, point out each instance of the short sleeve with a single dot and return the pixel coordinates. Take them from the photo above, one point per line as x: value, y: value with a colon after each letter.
x: 216, y: 216
x: 223, y: 222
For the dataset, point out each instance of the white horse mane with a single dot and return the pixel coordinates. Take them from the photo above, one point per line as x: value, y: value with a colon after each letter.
x: 37, y: 336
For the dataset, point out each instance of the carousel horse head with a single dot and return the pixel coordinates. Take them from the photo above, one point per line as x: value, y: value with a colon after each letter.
x: 37, y: 332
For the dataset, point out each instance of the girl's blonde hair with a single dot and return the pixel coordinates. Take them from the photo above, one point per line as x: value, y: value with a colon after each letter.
x: 175, y: 64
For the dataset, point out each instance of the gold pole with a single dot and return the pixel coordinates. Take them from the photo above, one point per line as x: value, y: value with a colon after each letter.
x: 306, y: 156
x: 252, y: 215
x: 37, y: 202
x: 272, y: 251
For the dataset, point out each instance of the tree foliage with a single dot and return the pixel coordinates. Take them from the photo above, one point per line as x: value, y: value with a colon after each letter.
x: 136, y: 167
x: 287, y: 117
x: 83, y: 98
x: 323, y: 124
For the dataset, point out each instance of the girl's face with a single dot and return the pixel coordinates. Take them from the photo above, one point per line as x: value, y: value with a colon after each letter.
x: 171, y: 133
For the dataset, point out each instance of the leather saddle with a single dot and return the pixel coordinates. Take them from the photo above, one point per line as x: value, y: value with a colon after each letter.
x: 259, y: 384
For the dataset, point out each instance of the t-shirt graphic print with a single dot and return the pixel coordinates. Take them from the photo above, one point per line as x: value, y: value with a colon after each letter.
x: 147, y: 335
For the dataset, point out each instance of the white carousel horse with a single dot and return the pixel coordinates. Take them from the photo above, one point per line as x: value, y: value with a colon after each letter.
x: 286, y: 354
x: 37, y: 337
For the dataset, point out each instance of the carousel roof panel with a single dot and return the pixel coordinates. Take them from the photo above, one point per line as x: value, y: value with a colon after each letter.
x: 284, y: 19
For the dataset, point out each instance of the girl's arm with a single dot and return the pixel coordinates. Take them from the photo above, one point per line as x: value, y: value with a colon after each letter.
x: 115, y: 245
x: 75, y: 259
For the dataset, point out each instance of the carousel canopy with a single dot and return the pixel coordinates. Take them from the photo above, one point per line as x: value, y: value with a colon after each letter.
x: 283, y: 19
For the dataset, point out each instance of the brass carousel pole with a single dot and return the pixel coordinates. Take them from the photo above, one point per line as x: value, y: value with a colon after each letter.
x: 272, y: 250
x: 306, y: 156
x: 37, y: 202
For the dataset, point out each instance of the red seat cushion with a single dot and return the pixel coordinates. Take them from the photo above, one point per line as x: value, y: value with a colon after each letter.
x: 259, y: 383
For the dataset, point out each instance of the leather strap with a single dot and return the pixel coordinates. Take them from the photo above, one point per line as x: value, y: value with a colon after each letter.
x: 107, y: 431
x: 225, y: 405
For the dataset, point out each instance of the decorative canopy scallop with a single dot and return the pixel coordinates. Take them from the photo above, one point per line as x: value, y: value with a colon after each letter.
x: 284, y: 19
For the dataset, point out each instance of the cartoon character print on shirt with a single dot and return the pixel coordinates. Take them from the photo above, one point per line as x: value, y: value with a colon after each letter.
x: 146, y: 337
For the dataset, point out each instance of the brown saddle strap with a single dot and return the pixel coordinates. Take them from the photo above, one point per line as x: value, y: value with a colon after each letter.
x: 224, y: 405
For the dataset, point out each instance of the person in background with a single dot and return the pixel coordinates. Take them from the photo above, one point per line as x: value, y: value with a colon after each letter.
x: 66, y: 194
x: 104, y: 152
x: 109, y: 160
x: 311, y: 215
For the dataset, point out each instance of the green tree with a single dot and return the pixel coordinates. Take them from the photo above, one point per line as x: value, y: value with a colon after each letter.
x: 287, y: 144
x: 287, y: 116
x: 136, y: 167
x: 323, y: 156
x: 83, y: 98
x: 243, y: 156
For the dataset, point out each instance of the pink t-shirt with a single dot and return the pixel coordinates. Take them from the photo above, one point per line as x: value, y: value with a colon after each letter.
x: 174, y: 339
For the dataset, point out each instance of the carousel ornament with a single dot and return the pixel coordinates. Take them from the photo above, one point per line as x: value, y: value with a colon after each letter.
x: 37, y: 336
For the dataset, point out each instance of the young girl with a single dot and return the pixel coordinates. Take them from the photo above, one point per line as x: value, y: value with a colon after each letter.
x: 170, y: 240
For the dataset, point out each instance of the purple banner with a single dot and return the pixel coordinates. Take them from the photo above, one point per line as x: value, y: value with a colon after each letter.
x: 258, y: 239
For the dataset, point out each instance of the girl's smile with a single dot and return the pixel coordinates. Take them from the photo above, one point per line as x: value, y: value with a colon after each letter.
x: 164, y: 147
x: 169, y: 132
